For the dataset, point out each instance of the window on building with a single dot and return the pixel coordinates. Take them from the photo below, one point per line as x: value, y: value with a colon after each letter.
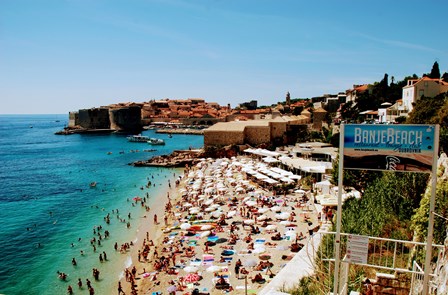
x: 421, y: 92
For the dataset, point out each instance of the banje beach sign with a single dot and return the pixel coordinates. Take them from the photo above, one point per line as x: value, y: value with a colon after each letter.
x: 389, y: 147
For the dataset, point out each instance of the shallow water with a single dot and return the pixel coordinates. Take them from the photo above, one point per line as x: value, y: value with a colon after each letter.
x: 45, y: 199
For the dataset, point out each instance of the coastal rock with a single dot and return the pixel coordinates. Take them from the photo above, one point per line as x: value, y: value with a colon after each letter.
x: 176, y: 159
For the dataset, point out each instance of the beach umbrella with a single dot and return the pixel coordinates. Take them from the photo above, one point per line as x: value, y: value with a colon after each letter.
x: 216, y: 214
x: 137, y: 199
x: 271, y: 227
x: 259, y: 250
x: 250, y: 263
x: 290, y: 233
x: 190, y: 269
x: 262, y: 217
x: 191, y: 278
x: 283, y: 215
x: 205, y: 234
x: 249, y: 221
x: 206, y: 227
x: 263, y: 210
x: 282, y: 247
x: 188, y: 205
x: 231, y: 213
x: 208, y: 202
x: 209, y: 209
x: 213, y: 268
x: 276, y: 209
x: 171, y: 289
x: 284, y: 222
x: 251, y: 203
x: 194, y: 210
x: 185, y: 226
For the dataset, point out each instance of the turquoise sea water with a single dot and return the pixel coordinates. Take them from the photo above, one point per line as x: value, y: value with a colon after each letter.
x: 45, y: 199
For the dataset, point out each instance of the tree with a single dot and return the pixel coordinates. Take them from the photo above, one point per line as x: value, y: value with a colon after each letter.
x: 435, y: 71
x: 445, y: 77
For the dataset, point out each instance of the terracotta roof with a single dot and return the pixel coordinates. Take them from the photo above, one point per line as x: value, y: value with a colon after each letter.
x: 362, y: 88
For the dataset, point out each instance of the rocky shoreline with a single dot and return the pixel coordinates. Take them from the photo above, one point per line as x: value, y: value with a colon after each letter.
x: 175, y: 159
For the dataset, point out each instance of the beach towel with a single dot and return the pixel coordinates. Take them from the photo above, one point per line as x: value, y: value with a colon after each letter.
x: 192, y: 243
x: 207, y: 259
x: 196, y: 263
x: 212, y: 238
x: 260, y: 241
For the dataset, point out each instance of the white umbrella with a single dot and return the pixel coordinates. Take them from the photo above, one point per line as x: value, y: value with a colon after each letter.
x: 300, y: 191
x: 250, y: 262
x: 185, y: 226
x: 290, y: 233
x: 216, y: 214
x: 271, y: 227
x: 276, y: 209
x: 263, y: 210
x: 259, y: 250
x: 205, y: 234
x: 283, y: 215
x: 190, y: 269
x: 262, y: 217
x: 209, y: 209
x: 187, y: 205
x: 208, y: 202
x: 251, y: 203
x: 206, y: 227
x: 194, y: 211
x: 284, y: 222
x: 249, y: 221
x: 213, y: 268
x: 231, y: 213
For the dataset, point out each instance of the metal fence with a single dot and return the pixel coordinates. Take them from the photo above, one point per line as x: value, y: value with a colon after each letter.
x: 387, y: 255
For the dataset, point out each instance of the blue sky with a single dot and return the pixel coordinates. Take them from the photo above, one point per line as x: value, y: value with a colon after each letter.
x: 62, y: 55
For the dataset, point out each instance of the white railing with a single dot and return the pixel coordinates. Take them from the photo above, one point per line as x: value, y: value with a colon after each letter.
x: 416, y: 280
x: 385, y: 254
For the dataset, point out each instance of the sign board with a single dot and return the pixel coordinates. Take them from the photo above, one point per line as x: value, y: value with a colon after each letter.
x: 389, y: 147
x: 357, y: 249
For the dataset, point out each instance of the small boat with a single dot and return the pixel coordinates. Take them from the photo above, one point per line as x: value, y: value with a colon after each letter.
x: 93, y: 184
x: 170, y: 136
x: 156, y: 141
x: 138, y: 138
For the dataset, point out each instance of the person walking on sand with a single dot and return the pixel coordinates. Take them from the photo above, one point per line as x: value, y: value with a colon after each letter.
x: 120, y: 289
x: 155, y: 219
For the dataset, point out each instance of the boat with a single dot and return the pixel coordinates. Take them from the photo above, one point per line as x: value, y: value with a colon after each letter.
x: 170, y: 136
x: 138, y: 138
x: 93, y: 184
x: 156, y: 141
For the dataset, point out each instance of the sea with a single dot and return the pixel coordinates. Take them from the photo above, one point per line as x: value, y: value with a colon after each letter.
x: 48, y: 209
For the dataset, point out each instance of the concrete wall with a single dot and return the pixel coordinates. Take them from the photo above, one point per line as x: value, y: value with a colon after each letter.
x: 96, y: 118
x: 255, y: 135
x: 223, y: 138
x: 72, y: 119
x: 318, y: 118
x: 125, y: 118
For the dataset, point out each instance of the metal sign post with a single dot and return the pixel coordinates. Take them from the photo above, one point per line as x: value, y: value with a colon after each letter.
x: 405, y: 148
x: 432, y: 204
x: 337, y: 259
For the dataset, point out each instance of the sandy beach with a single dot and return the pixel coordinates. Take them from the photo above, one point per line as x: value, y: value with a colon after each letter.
x: 221, y: 230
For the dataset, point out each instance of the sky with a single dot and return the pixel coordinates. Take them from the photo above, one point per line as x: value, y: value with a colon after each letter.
x: 58, y: 56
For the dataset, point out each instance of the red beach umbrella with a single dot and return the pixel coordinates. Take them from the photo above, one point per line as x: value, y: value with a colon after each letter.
x: 191, y: 278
